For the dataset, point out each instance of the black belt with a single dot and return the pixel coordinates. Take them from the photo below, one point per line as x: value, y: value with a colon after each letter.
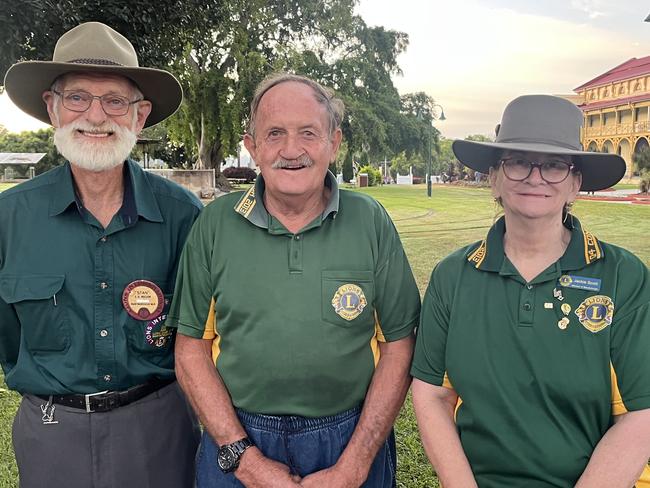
x: 105, y: 401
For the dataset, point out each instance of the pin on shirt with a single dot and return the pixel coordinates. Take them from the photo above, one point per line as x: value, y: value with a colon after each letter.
x: 557, y: 293
x: 566, y: 308
x: 563, y: 323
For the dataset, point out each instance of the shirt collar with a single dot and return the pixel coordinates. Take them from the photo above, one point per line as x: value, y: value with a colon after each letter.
x: 138, y: 199
x: 251, y: 204
x: 583, y: 249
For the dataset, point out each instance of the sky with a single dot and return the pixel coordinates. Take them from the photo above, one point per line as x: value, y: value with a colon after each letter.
x: 474, y: 56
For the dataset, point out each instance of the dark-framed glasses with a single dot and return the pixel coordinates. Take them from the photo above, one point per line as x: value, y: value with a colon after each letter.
x: 552, y: 170
x: 80, y: 101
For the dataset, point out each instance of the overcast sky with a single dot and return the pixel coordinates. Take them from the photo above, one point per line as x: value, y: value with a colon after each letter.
x: 473, y: 56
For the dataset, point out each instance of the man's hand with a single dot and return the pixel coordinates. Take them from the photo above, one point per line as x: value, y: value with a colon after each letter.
x: 257, y: 471
x: 333, y: 477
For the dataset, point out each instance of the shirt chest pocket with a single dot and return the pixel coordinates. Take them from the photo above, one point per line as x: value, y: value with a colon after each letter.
x: 38, y: 304
x: 347, y: 298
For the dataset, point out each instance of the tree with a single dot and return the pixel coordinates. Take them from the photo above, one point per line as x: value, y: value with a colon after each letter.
x: 33, y: 142
x: 642, y: 162
x: 348, y: 171
x: 642, y: 159
x: 403, y: 164
x: 220, y: 51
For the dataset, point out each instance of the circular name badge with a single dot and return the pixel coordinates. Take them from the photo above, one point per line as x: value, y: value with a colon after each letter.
x: 143, y: 300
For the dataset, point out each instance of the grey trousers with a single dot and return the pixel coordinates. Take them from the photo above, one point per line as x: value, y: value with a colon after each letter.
x: 149, y: 443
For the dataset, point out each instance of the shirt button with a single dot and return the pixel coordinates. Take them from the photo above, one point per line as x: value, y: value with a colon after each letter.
x: 527, y: 307
x: 297, y: 238
x: 103, y: 285
x: 103, y: 332
x: 107, y: 377
x: 104, y: 239
x: 530, y: 287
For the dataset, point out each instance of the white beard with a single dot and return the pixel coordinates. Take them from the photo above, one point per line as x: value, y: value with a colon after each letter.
x: 100, y: 155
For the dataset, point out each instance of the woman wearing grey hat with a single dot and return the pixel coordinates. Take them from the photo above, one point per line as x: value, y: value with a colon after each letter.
x: 532, y: 363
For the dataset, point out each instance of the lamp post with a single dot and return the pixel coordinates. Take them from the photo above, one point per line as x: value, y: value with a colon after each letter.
x: 437, y: 113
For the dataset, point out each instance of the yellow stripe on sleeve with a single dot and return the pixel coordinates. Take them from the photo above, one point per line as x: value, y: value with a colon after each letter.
x: 376, y: 339
x: 618, y: 407
x: 210, y: 332
x: 446, y: 382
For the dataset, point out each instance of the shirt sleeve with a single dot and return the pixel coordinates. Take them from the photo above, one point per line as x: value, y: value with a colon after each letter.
x: 397, y: 300
x: 630, y: 338
x: 192, y: 308
x: 431, y: 342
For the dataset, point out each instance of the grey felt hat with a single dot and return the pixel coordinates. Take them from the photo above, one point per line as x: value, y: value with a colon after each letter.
x: 543, y: 124
x: 92, y: 47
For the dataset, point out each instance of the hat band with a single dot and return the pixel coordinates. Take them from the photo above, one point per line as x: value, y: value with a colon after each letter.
x: 105, y: 62
x: 549, y: 142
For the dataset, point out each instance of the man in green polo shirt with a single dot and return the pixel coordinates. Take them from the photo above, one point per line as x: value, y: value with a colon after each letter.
x: 301, y: 295
x: 88, y: 258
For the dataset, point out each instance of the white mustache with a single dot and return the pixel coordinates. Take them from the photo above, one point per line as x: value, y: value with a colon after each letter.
x: 303, y: 160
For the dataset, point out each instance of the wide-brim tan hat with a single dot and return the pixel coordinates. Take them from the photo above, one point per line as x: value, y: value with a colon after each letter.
x: 543, y: 124
x: 92, y: 47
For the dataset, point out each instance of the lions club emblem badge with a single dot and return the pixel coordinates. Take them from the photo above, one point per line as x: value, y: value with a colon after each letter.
x: 349, y: 301
x: 595, y: 313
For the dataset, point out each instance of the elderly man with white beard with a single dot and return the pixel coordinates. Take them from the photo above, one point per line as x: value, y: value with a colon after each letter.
x: 88, y: 259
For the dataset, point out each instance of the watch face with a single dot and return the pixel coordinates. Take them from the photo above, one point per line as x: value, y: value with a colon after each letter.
x: 226, y: 458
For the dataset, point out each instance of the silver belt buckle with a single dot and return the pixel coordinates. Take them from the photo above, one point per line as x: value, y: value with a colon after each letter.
x: 88, y: 396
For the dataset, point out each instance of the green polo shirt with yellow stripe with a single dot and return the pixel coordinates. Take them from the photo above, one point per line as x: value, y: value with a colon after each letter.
x: 295, y: 319
x: 540, y: 367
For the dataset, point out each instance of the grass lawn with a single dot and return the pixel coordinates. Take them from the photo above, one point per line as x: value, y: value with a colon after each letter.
x: 5, y: 186
x: 430, y: 229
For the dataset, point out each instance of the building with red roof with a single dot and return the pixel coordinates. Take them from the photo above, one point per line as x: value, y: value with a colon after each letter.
x: 616, y: 108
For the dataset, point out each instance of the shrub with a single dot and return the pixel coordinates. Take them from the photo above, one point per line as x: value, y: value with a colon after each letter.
x: 374, y: 175
x: 243, y: 173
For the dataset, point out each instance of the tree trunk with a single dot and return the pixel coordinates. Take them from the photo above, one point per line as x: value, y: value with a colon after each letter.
x: 210, y: 158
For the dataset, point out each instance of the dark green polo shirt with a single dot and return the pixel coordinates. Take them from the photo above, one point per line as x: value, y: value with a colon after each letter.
x: 295, y: 319
x: 535, y: 364
x: 63, y: 327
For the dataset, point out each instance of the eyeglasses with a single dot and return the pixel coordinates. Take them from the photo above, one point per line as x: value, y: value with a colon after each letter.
x: 551, y: 171
x: 80, y: 101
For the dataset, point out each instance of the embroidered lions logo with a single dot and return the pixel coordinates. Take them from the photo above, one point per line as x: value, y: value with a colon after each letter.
x: 595, y: 313
x: 349, y: 301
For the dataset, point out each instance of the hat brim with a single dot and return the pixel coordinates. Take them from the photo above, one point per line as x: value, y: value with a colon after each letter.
x: 25, y: 83
x: 599, y: 170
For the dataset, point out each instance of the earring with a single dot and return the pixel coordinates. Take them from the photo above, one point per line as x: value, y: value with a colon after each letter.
x: 498, y: 209
x: 566, y: 213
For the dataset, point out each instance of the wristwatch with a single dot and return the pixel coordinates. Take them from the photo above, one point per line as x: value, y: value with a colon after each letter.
x: 229, y: 454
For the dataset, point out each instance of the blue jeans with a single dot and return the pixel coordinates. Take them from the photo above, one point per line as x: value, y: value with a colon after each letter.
x: 306, y: 445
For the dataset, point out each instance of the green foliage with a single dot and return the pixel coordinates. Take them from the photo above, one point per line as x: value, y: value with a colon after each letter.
x: 221, y: 50
x: 374, y: 174
x: 644, y: 183
x: 402, y: 164
x: 479, y: 138
x: 642, y: 159
x: 39, y: 141
x: 348, y: 170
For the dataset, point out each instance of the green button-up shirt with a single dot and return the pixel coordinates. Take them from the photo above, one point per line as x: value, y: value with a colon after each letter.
x: 63, y: 328
x: 541, y: 366
x: 295, y: 319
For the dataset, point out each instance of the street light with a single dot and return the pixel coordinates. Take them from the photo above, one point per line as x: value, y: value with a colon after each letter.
x: 437, y: 113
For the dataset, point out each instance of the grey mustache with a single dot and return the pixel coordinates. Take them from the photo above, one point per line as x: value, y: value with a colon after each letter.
x: 303, y: 160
